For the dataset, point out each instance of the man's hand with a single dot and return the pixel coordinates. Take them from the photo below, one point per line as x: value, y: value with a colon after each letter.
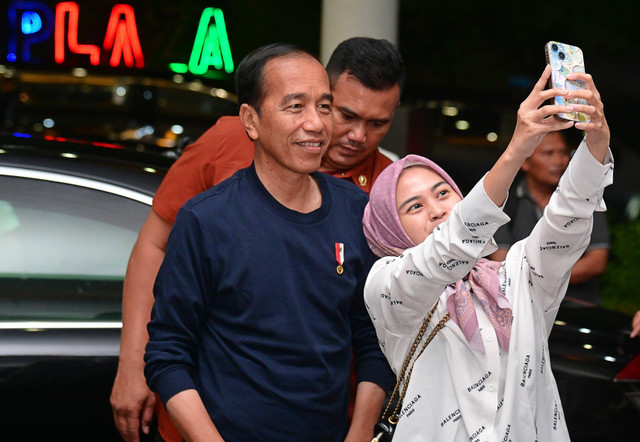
x: 366, y: 413
x: 132, y: 404
x: 131, y: 399
x: 635, y: 324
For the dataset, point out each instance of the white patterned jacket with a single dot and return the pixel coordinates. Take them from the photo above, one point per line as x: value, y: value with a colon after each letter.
x: 459, y: 394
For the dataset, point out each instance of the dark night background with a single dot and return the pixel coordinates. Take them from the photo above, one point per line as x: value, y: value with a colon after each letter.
x: 482, y: 56
x: 463, y: 45
x: 488, y: 51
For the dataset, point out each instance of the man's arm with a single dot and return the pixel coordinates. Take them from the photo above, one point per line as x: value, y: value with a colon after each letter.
x: 499, y: 255
x: 190, y: 416
x: 366, y: 412
x: 593, y: 263
x: 635, y: 324
x: 131, y: 399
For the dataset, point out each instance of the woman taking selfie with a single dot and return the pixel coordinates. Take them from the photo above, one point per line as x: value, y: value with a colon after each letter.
x: 485, y: 373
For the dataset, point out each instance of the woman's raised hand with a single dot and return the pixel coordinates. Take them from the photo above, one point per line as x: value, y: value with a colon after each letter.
x: 536, y: 119
x: 597, y: 129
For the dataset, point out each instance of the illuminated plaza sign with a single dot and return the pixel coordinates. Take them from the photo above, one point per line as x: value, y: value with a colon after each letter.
x: 33, y: 24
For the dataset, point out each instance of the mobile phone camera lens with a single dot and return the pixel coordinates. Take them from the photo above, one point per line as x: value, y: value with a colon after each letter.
x: 561, y: 55
x: 554, y: 47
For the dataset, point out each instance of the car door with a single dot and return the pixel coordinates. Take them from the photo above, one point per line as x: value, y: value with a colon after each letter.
x: 64, y: 247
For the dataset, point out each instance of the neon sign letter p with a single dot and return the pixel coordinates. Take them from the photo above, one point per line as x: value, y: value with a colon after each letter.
x: 33, y: 25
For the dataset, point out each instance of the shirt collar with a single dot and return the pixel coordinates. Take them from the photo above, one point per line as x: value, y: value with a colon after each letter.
x: 361, y: 175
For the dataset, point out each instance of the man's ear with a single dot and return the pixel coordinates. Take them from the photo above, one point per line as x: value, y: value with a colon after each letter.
x: 525, y: 166
x: 250, y: 120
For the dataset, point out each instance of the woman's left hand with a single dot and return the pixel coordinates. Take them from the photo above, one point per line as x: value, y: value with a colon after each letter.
x: 597, y: 129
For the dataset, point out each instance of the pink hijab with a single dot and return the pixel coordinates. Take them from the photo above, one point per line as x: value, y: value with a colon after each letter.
x: 386, y: 237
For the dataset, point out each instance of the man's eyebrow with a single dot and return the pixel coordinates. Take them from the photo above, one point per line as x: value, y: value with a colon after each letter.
x: 328, y: 97
x: 292, y: 97
x: 345, y: 110
x: 302, y: 95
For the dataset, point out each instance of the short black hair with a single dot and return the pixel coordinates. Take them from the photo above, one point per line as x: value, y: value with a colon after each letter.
x: 249, y: 80
x: 571, y: 137
x: 376, y: 63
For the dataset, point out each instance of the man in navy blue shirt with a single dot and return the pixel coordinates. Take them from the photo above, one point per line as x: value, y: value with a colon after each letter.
x: 259, y: 299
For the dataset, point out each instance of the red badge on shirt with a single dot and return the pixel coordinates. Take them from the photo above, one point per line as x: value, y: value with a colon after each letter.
x: 340, y: 257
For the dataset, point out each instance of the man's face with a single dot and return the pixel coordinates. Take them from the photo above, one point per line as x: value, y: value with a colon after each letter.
x: 362, y: 118
x: 295, y: 122
x: 548, y: 162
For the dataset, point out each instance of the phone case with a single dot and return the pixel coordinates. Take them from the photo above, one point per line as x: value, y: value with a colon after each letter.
x: 565, y: 59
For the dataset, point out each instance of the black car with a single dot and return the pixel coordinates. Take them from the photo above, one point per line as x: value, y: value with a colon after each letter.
x: 597, y: 367
x: 69, y: 216
x: 70, y: 213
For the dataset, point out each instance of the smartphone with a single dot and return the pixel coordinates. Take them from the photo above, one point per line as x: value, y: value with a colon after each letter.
x: 565, y: 59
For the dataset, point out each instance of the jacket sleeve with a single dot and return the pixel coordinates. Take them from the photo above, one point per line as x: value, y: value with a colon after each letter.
x: 563, y: 233
x: 176, y: 316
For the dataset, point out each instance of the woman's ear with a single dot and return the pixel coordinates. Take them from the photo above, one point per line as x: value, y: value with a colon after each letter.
x: 250, y: 120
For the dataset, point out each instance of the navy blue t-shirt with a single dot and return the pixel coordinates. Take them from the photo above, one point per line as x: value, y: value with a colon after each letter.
x: 252, y: 311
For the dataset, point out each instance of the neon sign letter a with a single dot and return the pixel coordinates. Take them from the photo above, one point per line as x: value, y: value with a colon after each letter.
x: 211, y: 46
x: 122, y: 36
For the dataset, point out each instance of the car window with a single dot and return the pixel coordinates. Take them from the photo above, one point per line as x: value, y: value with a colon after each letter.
x: 64, y: 249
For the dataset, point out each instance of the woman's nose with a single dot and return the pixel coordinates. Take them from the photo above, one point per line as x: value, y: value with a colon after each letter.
x: 437, y: 212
